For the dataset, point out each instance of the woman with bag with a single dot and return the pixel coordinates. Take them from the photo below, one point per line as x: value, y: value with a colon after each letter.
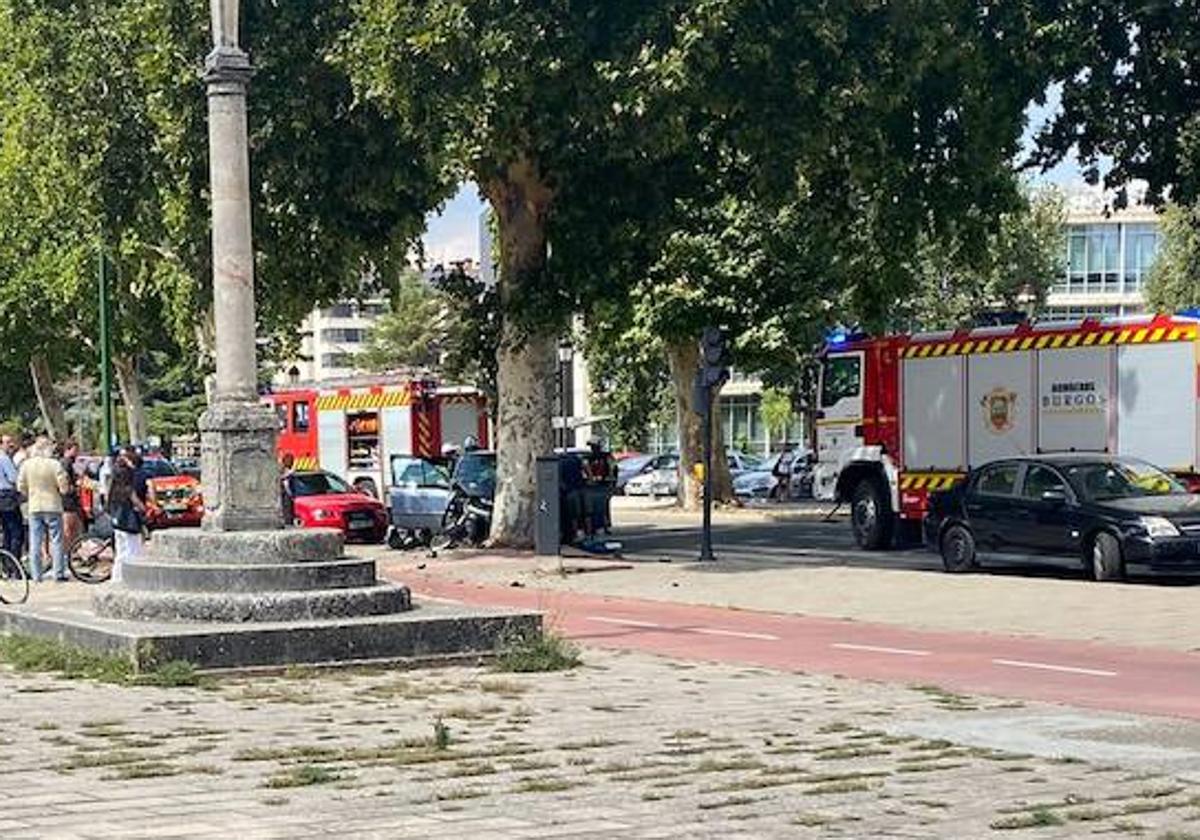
x: 126, y: 508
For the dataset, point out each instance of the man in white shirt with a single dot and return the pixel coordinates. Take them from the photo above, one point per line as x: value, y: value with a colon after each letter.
x: 43, y: 481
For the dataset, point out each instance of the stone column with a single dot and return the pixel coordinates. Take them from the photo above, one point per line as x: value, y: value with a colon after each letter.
x: 237, y: 432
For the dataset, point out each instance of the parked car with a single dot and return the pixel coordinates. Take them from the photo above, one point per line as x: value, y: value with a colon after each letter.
x: 762, y: 483
x: 323, y: 500
x: 172, y: 499
x: 628, y: 468
x: 659, y: 478
x: 1102, y: 512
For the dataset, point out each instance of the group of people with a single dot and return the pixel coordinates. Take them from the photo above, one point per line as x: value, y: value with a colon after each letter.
x: 41, y: 510
x: 586, y: 484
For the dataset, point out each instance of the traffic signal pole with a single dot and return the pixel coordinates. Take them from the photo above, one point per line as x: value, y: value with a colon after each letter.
x: 713, y: 373
x: 706, y: 550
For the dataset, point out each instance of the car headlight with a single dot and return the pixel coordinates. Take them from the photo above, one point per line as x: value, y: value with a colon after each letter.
x: 1158, y: 526
x: 322, y: 513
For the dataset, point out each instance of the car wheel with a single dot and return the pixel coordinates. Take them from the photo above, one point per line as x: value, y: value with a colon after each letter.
x: 871, y: 516
x: 958, y: 550
x: 1106, y: 559
x: 395, y: 539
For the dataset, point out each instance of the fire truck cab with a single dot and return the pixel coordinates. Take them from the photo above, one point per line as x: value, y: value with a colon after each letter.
x: 356, y: 430
x: 902, y: 416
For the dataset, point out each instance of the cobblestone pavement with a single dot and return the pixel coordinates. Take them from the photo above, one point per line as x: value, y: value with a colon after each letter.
x: 625, y: 746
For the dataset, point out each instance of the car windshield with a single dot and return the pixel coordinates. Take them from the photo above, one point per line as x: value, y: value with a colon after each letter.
x: 318, y: 484
x: 476, y: 469
x: 634, y: 465
x: 1123, y: 479
x: 158, y: 468
x: 749, y: 462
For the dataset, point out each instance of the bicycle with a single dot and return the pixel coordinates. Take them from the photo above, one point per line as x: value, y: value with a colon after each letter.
x: 14, y: 580
x: 90, y: 558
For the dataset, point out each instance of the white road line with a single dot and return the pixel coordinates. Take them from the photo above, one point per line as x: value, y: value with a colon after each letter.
x: 876, y: 649
x: 628, y: 622
x: 1043, y: 666
x: 713, y: 631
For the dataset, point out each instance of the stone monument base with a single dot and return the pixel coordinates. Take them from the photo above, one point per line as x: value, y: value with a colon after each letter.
x: 256, y: 599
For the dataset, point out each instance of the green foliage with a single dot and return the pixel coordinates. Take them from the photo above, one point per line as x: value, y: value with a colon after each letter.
x: 1130, y: 104
x: 32, y: 654
x: 412, y: 333
x: 441, y: 735
x: 303, y: 775
x: 449, y: 325
x: 1012, y: 269
x: 1174, y: 282
x: 534, y: 652
x: 778, y: 413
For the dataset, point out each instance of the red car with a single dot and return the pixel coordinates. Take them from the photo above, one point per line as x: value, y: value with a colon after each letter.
x: 322, y: 500
x: 172, y: 499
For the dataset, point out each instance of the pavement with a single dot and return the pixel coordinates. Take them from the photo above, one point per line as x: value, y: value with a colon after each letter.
x: 626, y: 746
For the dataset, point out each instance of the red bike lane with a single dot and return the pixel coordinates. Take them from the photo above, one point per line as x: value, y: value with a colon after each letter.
x: 1100, y: 676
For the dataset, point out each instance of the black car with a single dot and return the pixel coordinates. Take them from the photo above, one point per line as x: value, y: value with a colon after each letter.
x: 1104, y: 512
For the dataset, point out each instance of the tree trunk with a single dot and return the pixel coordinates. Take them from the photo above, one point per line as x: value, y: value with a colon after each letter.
x: 53, y: 416
x: 683, y: 358
x: 526, y: 357
x: 125, y: 368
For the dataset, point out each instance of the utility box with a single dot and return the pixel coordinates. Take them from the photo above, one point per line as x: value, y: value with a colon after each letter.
x: 547, y: 527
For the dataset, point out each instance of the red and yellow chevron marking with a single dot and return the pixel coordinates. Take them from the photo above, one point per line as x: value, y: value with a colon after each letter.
x: 305, y: 464
x: 355, y: 400
x: 1009, y: 344
x: 460, y: 399
x: 929, y: 481
x: 424, y: 430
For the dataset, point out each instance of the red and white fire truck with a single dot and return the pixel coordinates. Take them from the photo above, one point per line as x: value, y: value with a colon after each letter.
x: 903, y: 415
x: 356, y: 428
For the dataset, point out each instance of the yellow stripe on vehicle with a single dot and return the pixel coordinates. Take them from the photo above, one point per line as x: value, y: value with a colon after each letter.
x: 1158, y: 334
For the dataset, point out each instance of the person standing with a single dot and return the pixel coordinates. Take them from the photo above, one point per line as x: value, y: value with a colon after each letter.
x: 42, y: 480
x: 10, y: 499
x: 287, y: 467
x: 127, y: 508
x: 72, y: 507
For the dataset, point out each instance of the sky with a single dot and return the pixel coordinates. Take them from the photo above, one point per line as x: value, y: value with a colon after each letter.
x: 453, y: 233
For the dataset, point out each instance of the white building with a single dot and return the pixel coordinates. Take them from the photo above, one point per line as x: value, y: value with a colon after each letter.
x: 1108, y: 257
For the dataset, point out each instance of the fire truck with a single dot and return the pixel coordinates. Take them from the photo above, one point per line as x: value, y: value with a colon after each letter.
x: 901, y: 416
x: 357, y: 428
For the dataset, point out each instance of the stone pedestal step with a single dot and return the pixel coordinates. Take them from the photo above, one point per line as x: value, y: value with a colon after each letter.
x: 238, y: 577
x: 120, y: 601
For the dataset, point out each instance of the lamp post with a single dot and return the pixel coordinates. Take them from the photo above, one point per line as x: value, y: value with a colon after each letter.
x: 566, y: 353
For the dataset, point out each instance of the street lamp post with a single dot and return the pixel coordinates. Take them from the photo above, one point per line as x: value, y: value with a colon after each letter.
x: 566, y: 353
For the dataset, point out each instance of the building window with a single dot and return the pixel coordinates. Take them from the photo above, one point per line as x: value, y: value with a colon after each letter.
x: 344, y: 335
x: 339, y: 310
x: 1141, y: 247
x: 337, y: 360
x: 1093, y: 260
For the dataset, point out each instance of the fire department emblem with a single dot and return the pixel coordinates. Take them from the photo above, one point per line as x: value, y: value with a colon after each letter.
x: 999, y: 410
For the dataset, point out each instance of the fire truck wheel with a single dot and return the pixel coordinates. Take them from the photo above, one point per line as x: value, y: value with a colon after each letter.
x: 958, y: 550
x: 1106, y: 558
x: 871, y: 516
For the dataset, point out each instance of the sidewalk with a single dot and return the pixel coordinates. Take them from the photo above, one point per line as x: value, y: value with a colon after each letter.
x: 1138, y: 615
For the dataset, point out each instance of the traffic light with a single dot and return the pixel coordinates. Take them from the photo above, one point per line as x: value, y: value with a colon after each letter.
x: 714, y: 356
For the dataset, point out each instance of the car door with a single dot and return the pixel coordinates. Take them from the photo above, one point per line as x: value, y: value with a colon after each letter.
x: 1049, y: 513
x: 990, y: 506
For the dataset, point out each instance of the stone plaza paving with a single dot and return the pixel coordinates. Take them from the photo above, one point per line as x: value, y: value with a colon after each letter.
x: 626, y: 745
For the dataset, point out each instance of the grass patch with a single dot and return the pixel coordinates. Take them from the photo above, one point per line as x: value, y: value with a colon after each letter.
x: 1037, y: 818
x: 536, y: 652
x: 544, y: 785
x: 731, y: 802
x: 304, y: 775
x: 441, y: 735
x: 503, y: 688
x: 45, y: 656
x: 842, y: 786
